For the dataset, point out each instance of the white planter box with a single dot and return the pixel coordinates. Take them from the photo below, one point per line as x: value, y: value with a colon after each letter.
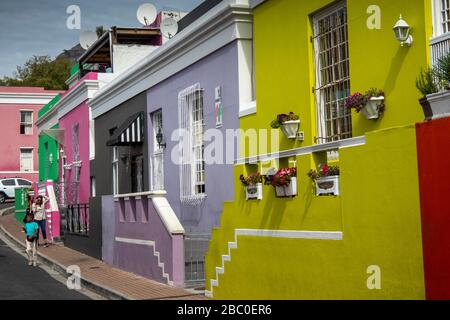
x: 440, y: 104
x: 370, y: 110
x: 287, y: 191
x: 290, y: 128
x: 254, y: 192
x: 327, y: 186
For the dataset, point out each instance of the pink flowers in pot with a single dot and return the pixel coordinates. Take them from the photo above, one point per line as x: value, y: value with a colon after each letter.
x: 282, y: 178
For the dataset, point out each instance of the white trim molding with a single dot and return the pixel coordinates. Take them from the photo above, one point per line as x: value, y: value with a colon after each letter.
x: 255, y: 3
x: 284, y: 234
x: 26, y: 98
x: 247, y: 109
x: 346, y: 143
x: 162, y: 207
x: 156, y: 253
x: 229, y: 21
x: 18, y: 172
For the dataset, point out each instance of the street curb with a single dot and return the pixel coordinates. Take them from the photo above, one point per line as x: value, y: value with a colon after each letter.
x: 88, y: 284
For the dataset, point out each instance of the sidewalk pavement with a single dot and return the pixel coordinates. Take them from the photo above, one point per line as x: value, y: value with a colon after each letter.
x: 96, y: 275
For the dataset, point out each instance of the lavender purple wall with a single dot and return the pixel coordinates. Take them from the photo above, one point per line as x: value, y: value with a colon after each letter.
x: 137, y: 220
x: 218, y: 69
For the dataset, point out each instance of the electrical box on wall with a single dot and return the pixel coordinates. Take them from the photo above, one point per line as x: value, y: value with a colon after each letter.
x: 301, y: 136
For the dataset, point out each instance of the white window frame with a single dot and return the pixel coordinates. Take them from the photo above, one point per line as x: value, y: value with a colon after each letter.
x: 438, y: 22
x: 192, y: 162
x: 22, y: 159
x: 338, y: 129
x: 27, y: 124
x: 115, y: 170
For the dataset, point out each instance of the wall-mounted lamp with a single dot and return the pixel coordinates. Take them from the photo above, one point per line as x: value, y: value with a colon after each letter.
x: 402, y: 32
x: 159, y: 139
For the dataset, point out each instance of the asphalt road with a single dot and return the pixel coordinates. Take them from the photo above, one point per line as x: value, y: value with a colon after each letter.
x: 7, y: 204
x: 18, y: 281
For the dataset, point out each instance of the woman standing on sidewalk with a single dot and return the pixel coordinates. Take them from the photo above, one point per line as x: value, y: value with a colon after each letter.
x: 38, y: 209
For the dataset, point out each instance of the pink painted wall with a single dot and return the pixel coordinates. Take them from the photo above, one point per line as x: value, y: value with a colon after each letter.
x: 80, y: 116
x: 11, y: 140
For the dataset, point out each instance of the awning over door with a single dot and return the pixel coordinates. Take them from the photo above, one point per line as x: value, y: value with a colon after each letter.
x: 56, y: 134
x: 130, y: 132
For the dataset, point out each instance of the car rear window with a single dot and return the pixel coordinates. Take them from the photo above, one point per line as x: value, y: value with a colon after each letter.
x: 8, y: 182
x: 22, y: 182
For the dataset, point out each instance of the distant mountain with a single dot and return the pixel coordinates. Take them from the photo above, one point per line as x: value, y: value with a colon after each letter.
x: 72, y: 54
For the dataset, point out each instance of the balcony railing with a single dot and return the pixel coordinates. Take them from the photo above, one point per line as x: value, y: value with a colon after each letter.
x: 440, y: 47
x: 77, y: 219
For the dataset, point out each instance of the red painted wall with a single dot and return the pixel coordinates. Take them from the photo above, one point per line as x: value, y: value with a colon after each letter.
x: 433, y: 142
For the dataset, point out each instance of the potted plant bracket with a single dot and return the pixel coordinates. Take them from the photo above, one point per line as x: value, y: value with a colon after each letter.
x: 371, y: 109
x: 326, y: 180
x: 327, y: 186
x: 253, y: 186
x: 290, y: 128
x: 288, y: 123
x: 371, y: 104
x: 284, y: 182
x: 254, y: 192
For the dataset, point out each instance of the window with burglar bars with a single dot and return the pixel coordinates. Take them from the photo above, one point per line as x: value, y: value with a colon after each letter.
x: 192, y: 164
x: 332, y: 74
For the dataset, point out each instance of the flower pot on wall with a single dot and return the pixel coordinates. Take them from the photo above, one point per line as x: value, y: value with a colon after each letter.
x: 426, y: 107
x: 370, y: 110
x: 254, y: 192
x: 287, y: 191
x: 440, y: 104
x: 327, y: 186
x: 290, y: 128
x: 291, y: 189
x: 280, y: 192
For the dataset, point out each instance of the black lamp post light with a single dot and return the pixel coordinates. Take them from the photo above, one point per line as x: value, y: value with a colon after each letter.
x: 160, y: 138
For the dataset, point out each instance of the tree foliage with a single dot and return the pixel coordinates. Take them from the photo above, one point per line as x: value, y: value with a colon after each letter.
x: 41, y: 71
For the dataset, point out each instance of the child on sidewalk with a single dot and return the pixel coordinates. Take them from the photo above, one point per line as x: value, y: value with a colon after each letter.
x: 31, y: 230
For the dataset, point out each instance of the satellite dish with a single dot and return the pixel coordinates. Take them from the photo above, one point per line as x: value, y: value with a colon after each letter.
x: 147, y: 14
x: 87, y: 39
x: 169, y: 27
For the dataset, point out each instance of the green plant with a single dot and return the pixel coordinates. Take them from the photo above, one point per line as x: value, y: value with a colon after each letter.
x: 251, y: 180
x: 324, y: 171
x: 282, y: 118
x: 442, y: 70
x: 426, y: 82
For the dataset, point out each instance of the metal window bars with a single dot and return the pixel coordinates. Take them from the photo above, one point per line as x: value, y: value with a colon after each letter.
x: 332, y: 75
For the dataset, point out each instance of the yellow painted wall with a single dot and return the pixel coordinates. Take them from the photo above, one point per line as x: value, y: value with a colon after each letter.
x: 285, y: 63
x: 378, y: 212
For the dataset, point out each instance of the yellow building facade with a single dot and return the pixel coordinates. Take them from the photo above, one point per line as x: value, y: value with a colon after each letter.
x: 366, y: 242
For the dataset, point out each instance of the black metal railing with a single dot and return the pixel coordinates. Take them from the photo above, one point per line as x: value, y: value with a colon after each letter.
x: 77, y: 219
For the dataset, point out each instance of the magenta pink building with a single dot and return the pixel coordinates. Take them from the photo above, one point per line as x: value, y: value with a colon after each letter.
x: 77, y: 148
x: 19, y: 108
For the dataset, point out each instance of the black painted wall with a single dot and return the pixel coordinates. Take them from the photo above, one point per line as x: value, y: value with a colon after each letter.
x: 101, y: 167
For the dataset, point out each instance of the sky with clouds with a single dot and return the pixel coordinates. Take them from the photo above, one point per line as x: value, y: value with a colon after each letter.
x: 38, y: 27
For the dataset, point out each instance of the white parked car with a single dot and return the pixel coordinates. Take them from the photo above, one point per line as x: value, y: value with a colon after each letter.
x: 8, y: 186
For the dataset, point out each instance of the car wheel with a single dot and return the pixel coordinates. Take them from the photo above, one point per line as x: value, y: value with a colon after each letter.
x: 2, y: 198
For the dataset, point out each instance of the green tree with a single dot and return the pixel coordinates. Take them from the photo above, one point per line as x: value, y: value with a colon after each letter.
x: 41, y: 71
